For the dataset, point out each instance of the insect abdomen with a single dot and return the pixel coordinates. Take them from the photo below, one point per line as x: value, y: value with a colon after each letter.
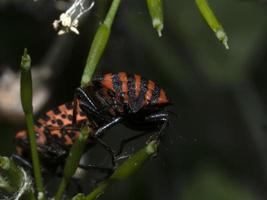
x: 134, y: 89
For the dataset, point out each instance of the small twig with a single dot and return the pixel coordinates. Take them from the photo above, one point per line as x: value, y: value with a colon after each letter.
x: 26, y: 101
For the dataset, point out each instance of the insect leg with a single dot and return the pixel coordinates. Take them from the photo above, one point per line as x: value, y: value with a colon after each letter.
x: 97, y: 138
x: 108, y: 149
x: 87, y: 104
x: 75, y: 110
x: 154, y: 118
x: 159, y: 116
x: 128, y: 140
x: 99, y: 132
x: 21, y: 161
x: 95, y: 167
x: 162, y: 117
x: 107, y: 171
x: 79, y: 98
x: 83, y: 96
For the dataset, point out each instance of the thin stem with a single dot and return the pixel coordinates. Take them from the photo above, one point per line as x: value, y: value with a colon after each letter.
x: 35, y: 157
x: 26, y: 100
x: 73, y: 161
x: 61, y: 188
x: 99, y: 44
x: 111, y: 13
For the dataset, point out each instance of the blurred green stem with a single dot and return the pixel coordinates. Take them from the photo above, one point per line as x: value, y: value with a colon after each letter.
x: 73, y: 161
x: 26, y: 101
x: 99, y: 44
x: 212, y: 21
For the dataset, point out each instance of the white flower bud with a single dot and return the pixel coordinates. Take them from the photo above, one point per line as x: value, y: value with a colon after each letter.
x: 69, y: 20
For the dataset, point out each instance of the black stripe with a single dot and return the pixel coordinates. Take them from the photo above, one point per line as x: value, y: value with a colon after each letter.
x: 70, y: 117
x: 82, y: 114
x: 69, y: 105
x: 38, y: 124
x: 53, y: 139
x: 143, y: 88
x: 70, y: 133
x: 45, y: 117
x: 138, y: 102
x: 59, y: 122
x: 131, y: 88
x: 47, y: 133
x: 56, y: 111
x: 117, y: 84
x: 155, y: 94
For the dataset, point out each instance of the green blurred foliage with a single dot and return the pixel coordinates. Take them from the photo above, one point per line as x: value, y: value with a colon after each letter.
x: 210, y: 183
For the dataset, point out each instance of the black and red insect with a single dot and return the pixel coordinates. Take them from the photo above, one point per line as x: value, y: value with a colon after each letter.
x: 55, y: 135
x: 111, y: 99
x: 116, y: 98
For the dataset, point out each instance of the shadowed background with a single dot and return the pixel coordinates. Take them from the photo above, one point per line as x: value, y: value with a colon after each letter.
x: 216, y: 146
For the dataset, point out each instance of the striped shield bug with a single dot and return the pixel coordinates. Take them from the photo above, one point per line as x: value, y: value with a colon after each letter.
x: 116, y: 98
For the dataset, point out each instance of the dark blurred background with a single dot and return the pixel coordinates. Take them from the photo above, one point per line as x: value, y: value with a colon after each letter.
x: 216, y: 147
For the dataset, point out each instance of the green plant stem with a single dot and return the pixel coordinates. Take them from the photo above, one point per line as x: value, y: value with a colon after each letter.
x: 26, y: 100
x: 111, y: 13
x: 156, y: 14
x: 99, y: 44
x: 127, y: 168
x: 212, y: 21
x: 34, y: 154
x: 61, y: 188
x: 73, y: 161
